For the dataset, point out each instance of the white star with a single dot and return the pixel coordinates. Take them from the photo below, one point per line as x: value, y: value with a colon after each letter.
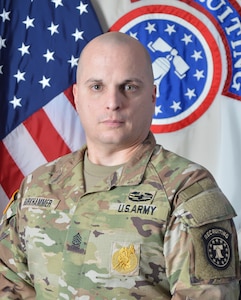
x: 57, y: 3
x: 19, y: 76
x: 176, y: 106
x: 16, y: 102
x: 187, y: 39
x: 82, y: 8
x: 134, y: 35
x: 199, y: 74
x: 73, y: 61
x: 2, y: 43
x: 150, y: 27
x: 44, y: 82
x: 53, y: 28
x: 78, y: 35
x: 190, y: 93
x: 24, y: 49
x: 197, y: 55
x: 170, y: 29
x: 5, y: 15
x: 49, y: 55
x: 1, y: 69
x: 158, y: 110
x: 28, y: 22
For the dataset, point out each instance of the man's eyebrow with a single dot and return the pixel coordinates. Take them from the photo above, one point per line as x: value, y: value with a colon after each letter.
x: 134, y: 79
x: 128, y: 80
x: 93, y: 80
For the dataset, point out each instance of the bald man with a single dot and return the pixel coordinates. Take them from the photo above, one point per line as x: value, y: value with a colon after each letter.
x: 122, y: 218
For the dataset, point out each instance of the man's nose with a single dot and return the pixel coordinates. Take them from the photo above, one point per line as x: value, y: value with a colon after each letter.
x: 114, y: 99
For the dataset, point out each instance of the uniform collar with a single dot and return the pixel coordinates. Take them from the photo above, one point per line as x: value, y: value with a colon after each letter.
x: 130, y: 174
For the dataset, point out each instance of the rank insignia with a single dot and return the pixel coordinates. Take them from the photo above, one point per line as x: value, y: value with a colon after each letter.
x: 125, y: 259
x: 217, y: 243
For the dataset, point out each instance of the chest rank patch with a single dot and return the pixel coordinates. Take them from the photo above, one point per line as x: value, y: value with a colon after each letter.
x: 125, y: 259
x: 218, y: 249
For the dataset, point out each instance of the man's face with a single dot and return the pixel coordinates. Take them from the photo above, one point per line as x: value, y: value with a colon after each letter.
x: 114, y: 96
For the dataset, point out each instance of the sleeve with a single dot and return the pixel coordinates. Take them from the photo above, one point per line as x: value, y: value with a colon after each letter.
x: 200, y: 246
x: 14, y: 280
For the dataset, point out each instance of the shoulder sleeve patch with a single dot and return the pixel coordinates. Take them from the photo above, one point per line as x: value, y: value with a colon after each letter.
x: 217, y: 245
x: 208, y: 206
x: 215, y: 255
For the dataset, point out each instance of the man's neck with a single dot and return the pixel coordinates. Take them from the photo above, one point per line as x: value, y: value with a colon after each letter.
x: 108, y: 157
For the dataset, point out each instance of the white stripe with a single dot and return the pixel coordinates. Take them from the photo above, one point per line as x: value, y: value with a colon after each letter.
x: 22, y: 148
x: 66, y: 121
x: 4, y: 200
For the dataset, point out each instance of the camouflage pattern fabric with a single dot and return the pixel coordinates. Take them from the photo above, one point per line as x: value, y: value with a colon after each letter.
x: 157, y: 228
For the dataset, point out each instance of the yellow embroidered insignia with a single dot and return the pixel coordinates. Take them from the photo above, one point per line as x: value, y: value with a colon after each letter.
x: 13, y: 198
x: 125, y: 260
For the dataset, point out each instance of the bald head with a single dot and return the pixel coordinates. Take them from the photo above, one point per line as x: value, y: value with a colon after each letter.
x: 116, y: 42
x: 114, y: 94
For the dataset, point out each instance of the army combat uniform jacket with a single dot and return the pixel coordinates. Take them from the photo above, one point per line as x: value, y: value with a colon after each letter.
x: 157, y: 228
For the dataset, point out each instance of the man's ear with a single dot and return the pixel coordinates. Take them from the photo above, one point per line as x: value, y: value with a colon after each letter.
x: 75, y: 96
x: 154, y: 94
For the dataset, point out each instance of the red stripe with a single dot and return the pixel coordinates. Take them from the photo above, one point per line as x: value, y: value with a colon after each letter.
x: 10, y: 174
x: 45, y: 136
x: 69, y: 94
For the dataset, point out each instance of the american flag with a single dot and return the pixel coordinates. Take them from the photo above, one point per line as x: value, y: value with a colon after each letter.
x: 40, y: 43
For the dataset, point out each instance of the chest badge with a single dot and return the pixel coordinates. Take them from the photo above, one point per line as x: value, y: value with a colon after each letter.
x: 125, y: 260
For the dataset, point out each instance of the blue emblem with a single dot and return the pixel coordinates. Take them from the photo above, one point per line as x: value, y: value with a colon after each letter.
x: 179, y: 63
x: 181, y: 48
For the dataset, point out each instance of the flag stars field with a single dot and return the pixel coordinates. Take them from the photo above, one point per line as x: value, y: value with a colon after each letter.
x: 39, y: 55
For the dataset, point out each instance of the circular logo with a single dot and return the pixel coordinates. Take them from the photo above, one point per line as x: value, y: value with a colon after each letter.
x: 183, y: 53
x: 217, y: 243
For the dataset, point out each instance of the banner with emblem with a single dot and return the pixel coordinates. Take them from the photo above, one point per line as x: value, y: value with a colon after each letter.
x: 195, y: 48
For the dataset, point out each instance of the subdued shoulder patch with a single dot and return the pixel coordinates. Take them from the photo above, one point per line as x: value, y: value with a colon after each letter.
x: 214, y: 249
x: 217, y: 244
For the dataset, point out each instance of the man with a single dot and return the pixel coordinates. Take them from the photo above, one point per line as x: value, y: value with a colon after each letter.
x: 122, y: 218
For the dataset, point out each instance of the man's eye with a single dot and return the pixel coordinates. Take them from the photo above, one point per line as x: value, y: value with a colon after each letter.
x: 130, y: 88
x: 96, y: 87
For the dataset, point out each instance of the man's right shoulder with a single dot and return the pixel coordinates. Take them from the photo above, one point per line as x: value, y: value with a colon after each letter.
x: 64, y: 162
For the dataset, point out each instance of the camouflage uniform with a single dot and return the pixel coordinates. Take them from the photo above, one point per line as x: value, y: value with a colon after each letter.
x: 157, y: 228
